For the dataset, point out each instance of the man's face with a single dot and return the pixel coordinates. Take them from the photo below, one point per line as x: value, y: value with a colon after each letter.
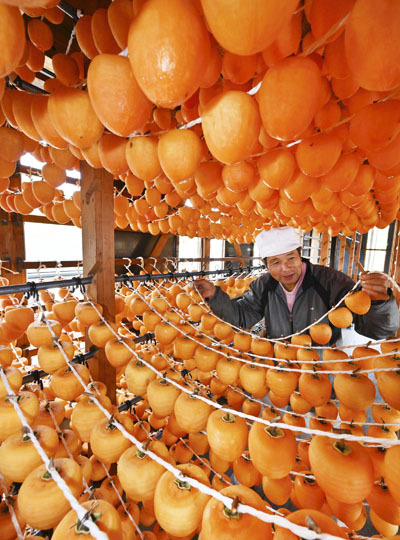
x: 285, y: 268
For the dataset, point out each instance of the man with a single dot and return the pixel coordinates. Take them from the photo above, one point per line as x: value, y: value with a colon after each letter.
x: 295, y: 293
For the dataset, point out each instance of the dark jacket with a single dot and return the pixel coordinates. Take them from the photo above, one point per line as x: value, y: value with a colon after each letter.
x: 321, y: 289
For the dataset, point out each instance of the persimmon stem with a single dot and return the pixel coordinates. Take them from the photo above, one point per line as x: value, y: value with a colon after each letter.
x: 228, y: 417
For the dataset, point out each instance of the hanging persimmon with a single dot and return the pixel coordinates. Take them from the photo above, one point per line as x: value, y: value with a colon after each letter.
x: 343, y: 469
x: 246, y: 28
x: 231, y: 124
x: 286, y: 113
x: 225, y: 523
x: 372, y: 44
x: 175, y: 78
x: 116, y: 96
x: 12, y: 42
x: 74, y: 118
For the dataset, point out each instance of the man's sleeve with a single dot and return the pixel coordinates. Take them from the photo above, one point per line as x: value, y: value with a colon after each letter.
x: 381, y: 321
x: 244, y: 311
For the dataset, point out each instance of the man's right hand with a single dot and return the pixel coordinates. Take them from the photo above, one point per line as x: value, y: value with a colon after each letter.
x: 205, y: 288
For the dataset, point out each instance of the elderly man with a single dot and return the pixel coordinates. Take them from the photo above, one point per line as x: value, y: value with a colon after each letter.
x: 295, y: 293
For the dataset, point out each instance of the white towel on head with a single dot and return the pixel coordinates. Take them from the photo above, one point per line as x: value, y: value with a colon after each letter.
x: 277, y: 241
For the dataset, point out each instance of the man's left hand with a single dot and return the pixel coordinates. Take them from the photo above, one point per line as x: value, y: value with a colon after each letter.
x: 375, y: 284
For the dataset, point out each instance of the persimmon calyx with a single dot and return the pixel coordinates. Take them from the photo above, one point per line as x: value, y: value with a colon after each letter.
x: 182, y: 484
x: 274, y: 432
x: 312, y: 525
x: 81, y: 528
x: 342, y: 447
x: 228, y: 417
x: 232, y: 513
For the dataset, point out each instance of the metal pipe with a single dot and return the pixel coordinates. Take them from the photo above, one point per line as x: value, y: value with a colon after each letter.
x: 68, y: 10
x: 32, y: 287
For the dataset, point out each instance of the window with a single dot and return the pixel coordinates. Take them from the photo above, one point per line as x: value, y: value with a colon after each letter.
x: 189, y: 248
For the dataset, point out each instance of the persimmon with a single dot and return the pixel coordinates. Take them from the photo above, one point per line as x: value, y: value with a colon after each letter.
x: 367, y: 44
x: 86, y: 414
x: 282, y: 383
x: 106, y: 441
x: 65, y: 384
x: 307, y: 492
x: 13, y: 39
x: 231, y: 124
x: 228, y: 523
x: 246, y: 29
x: 39, y: 488
x: 40, y: 34
x: 227, y: 434
x: 103, y: 514
x: 277, y: 490
x: 170, y: 83
x: 299, y: 404
x: 355, y: 391
x: 321, y: 333
x: 139, y: 474
x: 191, y: 413
x: 74, y: 118
x: 315, y: 388
x: 142, y: 157
x: 179, y: 152
x: 317, y: 155
x: 383, y: 527
x: 42, y: 333
x: 387, y: 383
x: 101, y: 332
x: 285, y: 115
x: 177, y: 505
x: 341, y: 317
x: 272, y: 450
x: 343, y: 469
x: 18, y: 455
x: 124, y: 90
x: 358, y: 302
x: 376, y: 125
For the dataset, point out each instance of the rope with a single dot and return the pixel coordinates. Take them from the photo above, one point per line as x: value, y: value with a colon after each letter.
x: 80, y: 510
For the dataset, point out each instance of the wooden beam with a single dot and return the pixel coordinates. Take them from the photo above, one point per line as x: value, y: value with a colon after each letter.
x: 159, y: 245
x: 43, y: 219
x: 98, y: 257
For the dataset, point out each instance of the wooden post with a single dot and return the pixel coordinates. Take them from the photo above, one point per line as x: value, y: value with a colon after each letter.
x: 98, y: 257
x: 394, y: 254
x: 12, y: 246
x: 343, y: 241
x: 356, y: 257
x: 238, y: 250
x: 352, y: 250
x: 205, y: 252
x: 325, y: 243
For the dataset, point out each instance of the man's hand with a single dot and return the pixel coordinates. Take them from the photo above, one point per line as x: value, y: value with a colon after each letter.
x: 205, y: 288
x: 375, y: 284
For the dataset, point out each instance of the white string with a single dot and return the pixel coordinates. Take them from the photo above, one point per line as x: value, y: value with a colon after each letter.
x: 261, y: 357
x: 80, y: 510
x: 10, y: 508
x: 121, y: 500
x: 273, y: 367
x: 350, y: 437
x: 300, y: 531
